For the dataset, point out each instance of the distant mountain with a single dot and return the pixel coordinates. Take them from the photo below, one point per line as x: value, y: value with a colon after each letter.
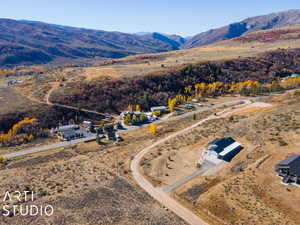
x: 142, y: 33
x: 174, y: 40
x: 265, y: 22
x: 33, y: 42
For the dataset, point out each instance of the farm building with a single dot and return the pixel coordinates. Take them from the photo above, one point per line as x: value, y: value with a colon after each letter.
x: 224, y: 148
x: 289, y: 169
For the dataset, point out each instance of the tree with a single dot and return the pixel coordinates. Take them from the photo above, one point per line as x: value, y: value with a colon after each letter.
x: 92, y: 129
x: 143, y: 118
x: 187, y: 89
x: 275, y: 86
x: 200, y: 89
x: 189, y: 69
x: 152, y: 129
x: 138, y: 108
x: 172, y: 103
x: 119, y: 126
x: 134, y: 119
x: 297, y: 93
x: 127, y: 119
x: 3, y: 159
x: 156, y: 113
x: 130, y: 108
x: 98, y: 140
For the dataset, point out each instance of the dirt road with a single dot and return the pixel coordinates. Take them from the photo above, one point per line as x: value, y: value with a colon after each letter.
x: 158, y: 193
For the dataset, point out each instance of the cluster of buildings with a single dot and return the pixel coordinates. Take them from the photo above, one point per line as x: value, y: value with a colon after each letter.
x: 69, y: 132
x: 144, y: 117
x: 72, y: 132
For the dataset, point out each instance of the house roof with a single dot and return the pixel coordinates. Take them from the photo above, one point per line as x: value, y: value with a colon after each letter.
x: 292, y: 162
x: 230, y: 148
x: 68, y: 133
x: 67, y: 127
x: 158, y: 108
x: 218, y: 145
x: 289, y: 160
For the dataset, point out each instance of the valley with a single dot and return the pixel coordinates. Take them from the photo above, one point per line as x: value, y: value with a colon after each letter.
x: 150, y: 128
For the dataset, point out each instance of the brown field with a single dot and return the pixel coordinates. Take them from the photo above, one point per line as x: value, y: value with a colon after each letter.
x: 92, y: 184
x: 93, y: 73
x: 246, y: 191
x: 88, y: 183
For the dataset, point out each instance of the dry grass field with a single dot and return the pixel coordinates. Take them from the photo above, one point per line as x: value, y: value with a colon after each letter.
x: 88, y: 183
x: 247, y: 191
x: 92, y: 184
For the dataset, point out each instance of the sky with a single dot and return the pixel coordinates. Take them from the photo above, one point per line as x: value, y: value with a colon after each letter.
x: 183, y: 17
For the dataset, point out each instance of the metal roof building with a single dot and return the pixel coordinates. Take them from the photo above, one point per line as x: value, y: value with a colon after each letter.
x: 68, y: 127
x: 159, y: 108
x: 224, y: 148
x: 289, y: 169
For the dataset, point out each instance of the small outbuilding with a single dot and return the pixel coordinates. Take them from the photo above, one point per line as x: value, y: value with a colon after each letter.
x: 289, y: 169
x: 224, y: 148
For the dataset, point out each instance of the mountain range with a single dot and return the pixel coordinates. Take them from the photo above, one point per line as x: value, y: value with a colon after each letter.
x: 23, y: 42
x: 33, y: 42
x: 265, y: 22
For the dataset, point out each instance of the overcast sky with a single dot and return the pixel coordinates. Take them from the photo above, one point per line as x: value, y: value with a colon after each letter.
x: 183, y: 17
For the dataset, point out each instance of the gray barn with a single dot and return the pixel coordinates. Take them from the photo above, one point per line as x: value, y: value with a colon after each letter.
x: 289, y: 169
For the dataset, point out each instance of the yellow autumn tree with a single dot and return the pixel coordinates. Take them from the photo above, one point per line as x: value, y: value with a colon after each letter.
x: 188, y: 89
x: 127, y: 119
x: 138, y: 108
x: 130, y: 108
x: 172, y: 103
x: 200, y: 89
x: 152, y: 129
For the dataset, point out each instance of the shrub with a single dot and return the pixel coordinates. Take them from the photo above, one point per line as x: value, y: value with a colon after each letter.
x: 3, y: 160
x: 297, y: 93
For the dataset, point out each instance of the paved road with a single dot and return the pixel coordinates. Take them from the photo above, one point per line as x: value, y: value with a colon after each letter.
x: 228, y: 104
x: 48, y: 147
x: 158, y: 193
x: 93, y: 137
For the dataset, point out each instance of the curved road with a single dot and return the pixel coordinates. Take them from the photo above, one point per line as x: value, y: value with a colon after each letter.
x: 158, y: 193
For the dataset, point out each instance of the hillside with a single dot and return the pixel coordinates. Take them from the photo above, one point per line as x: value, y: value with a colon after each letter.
x: 248, y: 45
x: 265, y: 22
x: 29, y: 42
x: 150, y: 79
x: 114, y: 95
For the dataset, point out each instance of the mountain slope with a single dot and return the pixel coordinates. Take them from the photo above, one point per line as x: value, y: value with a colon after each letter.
x: 31, y: 42
x: 265, y: 22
